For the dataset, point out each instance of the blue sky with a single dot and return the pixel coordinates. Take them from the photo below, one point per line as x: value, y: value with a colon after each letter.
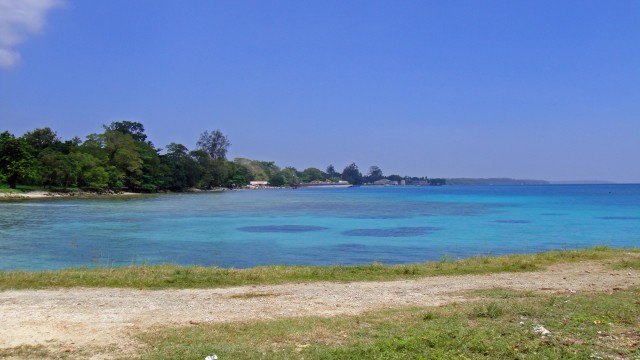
x: 524, y: 89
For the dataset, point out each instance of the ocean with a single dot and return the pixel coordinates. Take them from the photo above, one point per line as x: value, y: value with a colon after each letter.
x: 359, y: 225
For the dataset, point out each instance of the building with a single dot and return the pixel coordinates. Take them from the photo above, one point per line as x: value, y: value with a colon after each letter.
x: 258, y: 184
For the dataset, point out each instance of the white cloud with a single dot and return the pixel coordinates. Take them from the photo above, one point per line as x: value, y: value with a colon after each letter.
x: 18, y: 20
x: 8, y: 58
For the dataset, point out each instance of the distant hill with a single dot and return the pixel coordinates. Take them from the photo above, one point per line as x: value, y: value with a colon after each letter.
x: 582, y: 182
x: 494, y: 181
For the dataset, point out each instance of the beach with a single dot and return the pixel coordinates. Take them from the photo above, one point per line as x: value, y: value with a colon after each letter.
x: 50, y: 195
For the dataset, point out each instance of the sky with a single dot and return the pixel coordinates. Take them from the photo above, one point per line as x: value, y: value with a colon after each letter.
x: 522, y: 89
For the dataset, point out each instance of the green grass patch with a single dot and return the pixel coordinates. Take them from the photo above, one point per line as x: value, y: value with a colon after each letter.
x: 583, y: 325
x: 20, y: 189
x: 47, y: 352
x: 498, y: 293
x: 172, y: 276
x: 632, y: 262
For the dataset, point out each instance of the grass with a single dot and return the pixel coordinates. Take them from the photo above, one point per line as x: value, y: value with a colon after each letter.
x: 628, y: 263
x: 496, y: 323
x: 587, y: 325
x: 20, y: 189
x: 46, y: 352
x: 172, y: 276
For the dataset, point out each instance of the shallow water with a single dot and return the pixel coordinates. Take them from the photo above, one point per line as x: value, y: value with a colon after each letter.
x: 316, y: 226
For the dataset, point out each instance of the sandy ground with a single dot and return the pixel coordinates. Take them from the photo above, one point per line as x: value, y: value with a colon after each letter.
x: 106, y: 319
x: 49, y: 195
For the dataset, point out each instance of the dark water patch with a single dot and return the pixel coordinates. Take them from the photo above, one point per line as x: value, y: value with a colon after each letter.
x: 281, y: 228
x: 392, y: 232
x: 619, y: 217
x: 512, y: 221
x: 350, y: 247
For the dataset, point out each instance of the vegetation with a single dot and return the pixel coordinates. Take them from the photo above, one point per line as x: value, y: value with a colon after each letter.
x: 492, y: 323
x: 122, y: 158
x: 583, y: 326
x: 171, y: 276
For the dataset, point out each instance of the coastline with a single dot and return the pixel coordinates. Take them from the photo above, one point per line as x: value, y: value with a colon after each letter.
x: 36, y: 195
x: 103, y: 322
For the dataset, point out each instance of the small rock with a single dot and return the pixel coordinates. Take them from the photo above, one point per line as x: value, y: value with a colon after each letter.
x: 541, y: 330
x: 211, y: 357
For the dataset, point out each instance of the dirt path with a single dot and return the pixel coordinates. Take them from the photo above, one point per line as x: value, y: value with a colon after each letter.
x: 106, y: 318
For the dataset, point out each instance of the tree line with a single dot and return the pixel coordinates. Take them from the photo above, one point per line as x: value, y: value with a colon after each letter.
x: 122, y: 159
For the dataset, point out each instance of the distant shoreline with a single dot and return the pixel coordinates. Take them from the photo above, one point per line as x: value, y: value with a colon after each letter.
x: 42, y: 194
x: 57, y: 195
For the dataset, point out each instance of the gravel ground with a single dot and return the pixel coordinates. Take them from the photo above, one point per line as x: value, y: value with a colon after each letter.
x: 105, y: 318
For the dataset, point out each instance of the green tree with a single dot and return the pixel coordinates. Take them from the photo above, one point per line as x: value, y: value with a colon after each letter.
x: 397, y: 178
x: 58, y: 169
x: 92, y: 175
x: 277, y: 179
x: 331, y: 172
x: 437, y: 181
x: 152, y: 169
x: 96, y: 178
x: 215, y: 144
x: 41, y: 139
x: 135, y: 129
x: 214, y: 172
x: 238, y: 175
x: 375, y: 174
x: 312, y: 174
x: 352, y: 174
x: 182, y: 169
x: 269, y: 167
x: 122, y: 154
x: 253, y: 169
x: 290, y: 175
x: 16, y: 161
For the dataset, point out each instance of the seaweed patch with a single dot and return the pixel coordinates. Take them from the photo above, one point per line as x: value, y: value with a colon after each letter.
x: 282, y: 228
x: 512, y: 221
x: 392, y: 232
x: 619, y: 217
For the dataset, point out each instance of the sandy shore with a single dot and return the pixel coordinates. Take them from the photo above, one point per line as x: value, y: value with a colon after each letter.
x: 50, y: 195
x: 105, y: 319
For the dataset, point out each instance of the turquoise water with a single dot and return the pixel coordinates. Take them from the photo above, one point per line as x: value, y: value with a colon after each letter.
x: 316, y: 226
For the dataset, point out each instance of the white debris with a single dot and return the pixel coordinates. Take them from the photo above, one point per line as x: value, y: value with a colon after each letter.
x: 211, y: 357
x: 540, y: 330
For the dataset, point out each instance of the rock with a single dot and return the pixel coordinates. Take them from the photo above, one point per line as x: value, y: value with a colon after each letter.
x: 541, y: 330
